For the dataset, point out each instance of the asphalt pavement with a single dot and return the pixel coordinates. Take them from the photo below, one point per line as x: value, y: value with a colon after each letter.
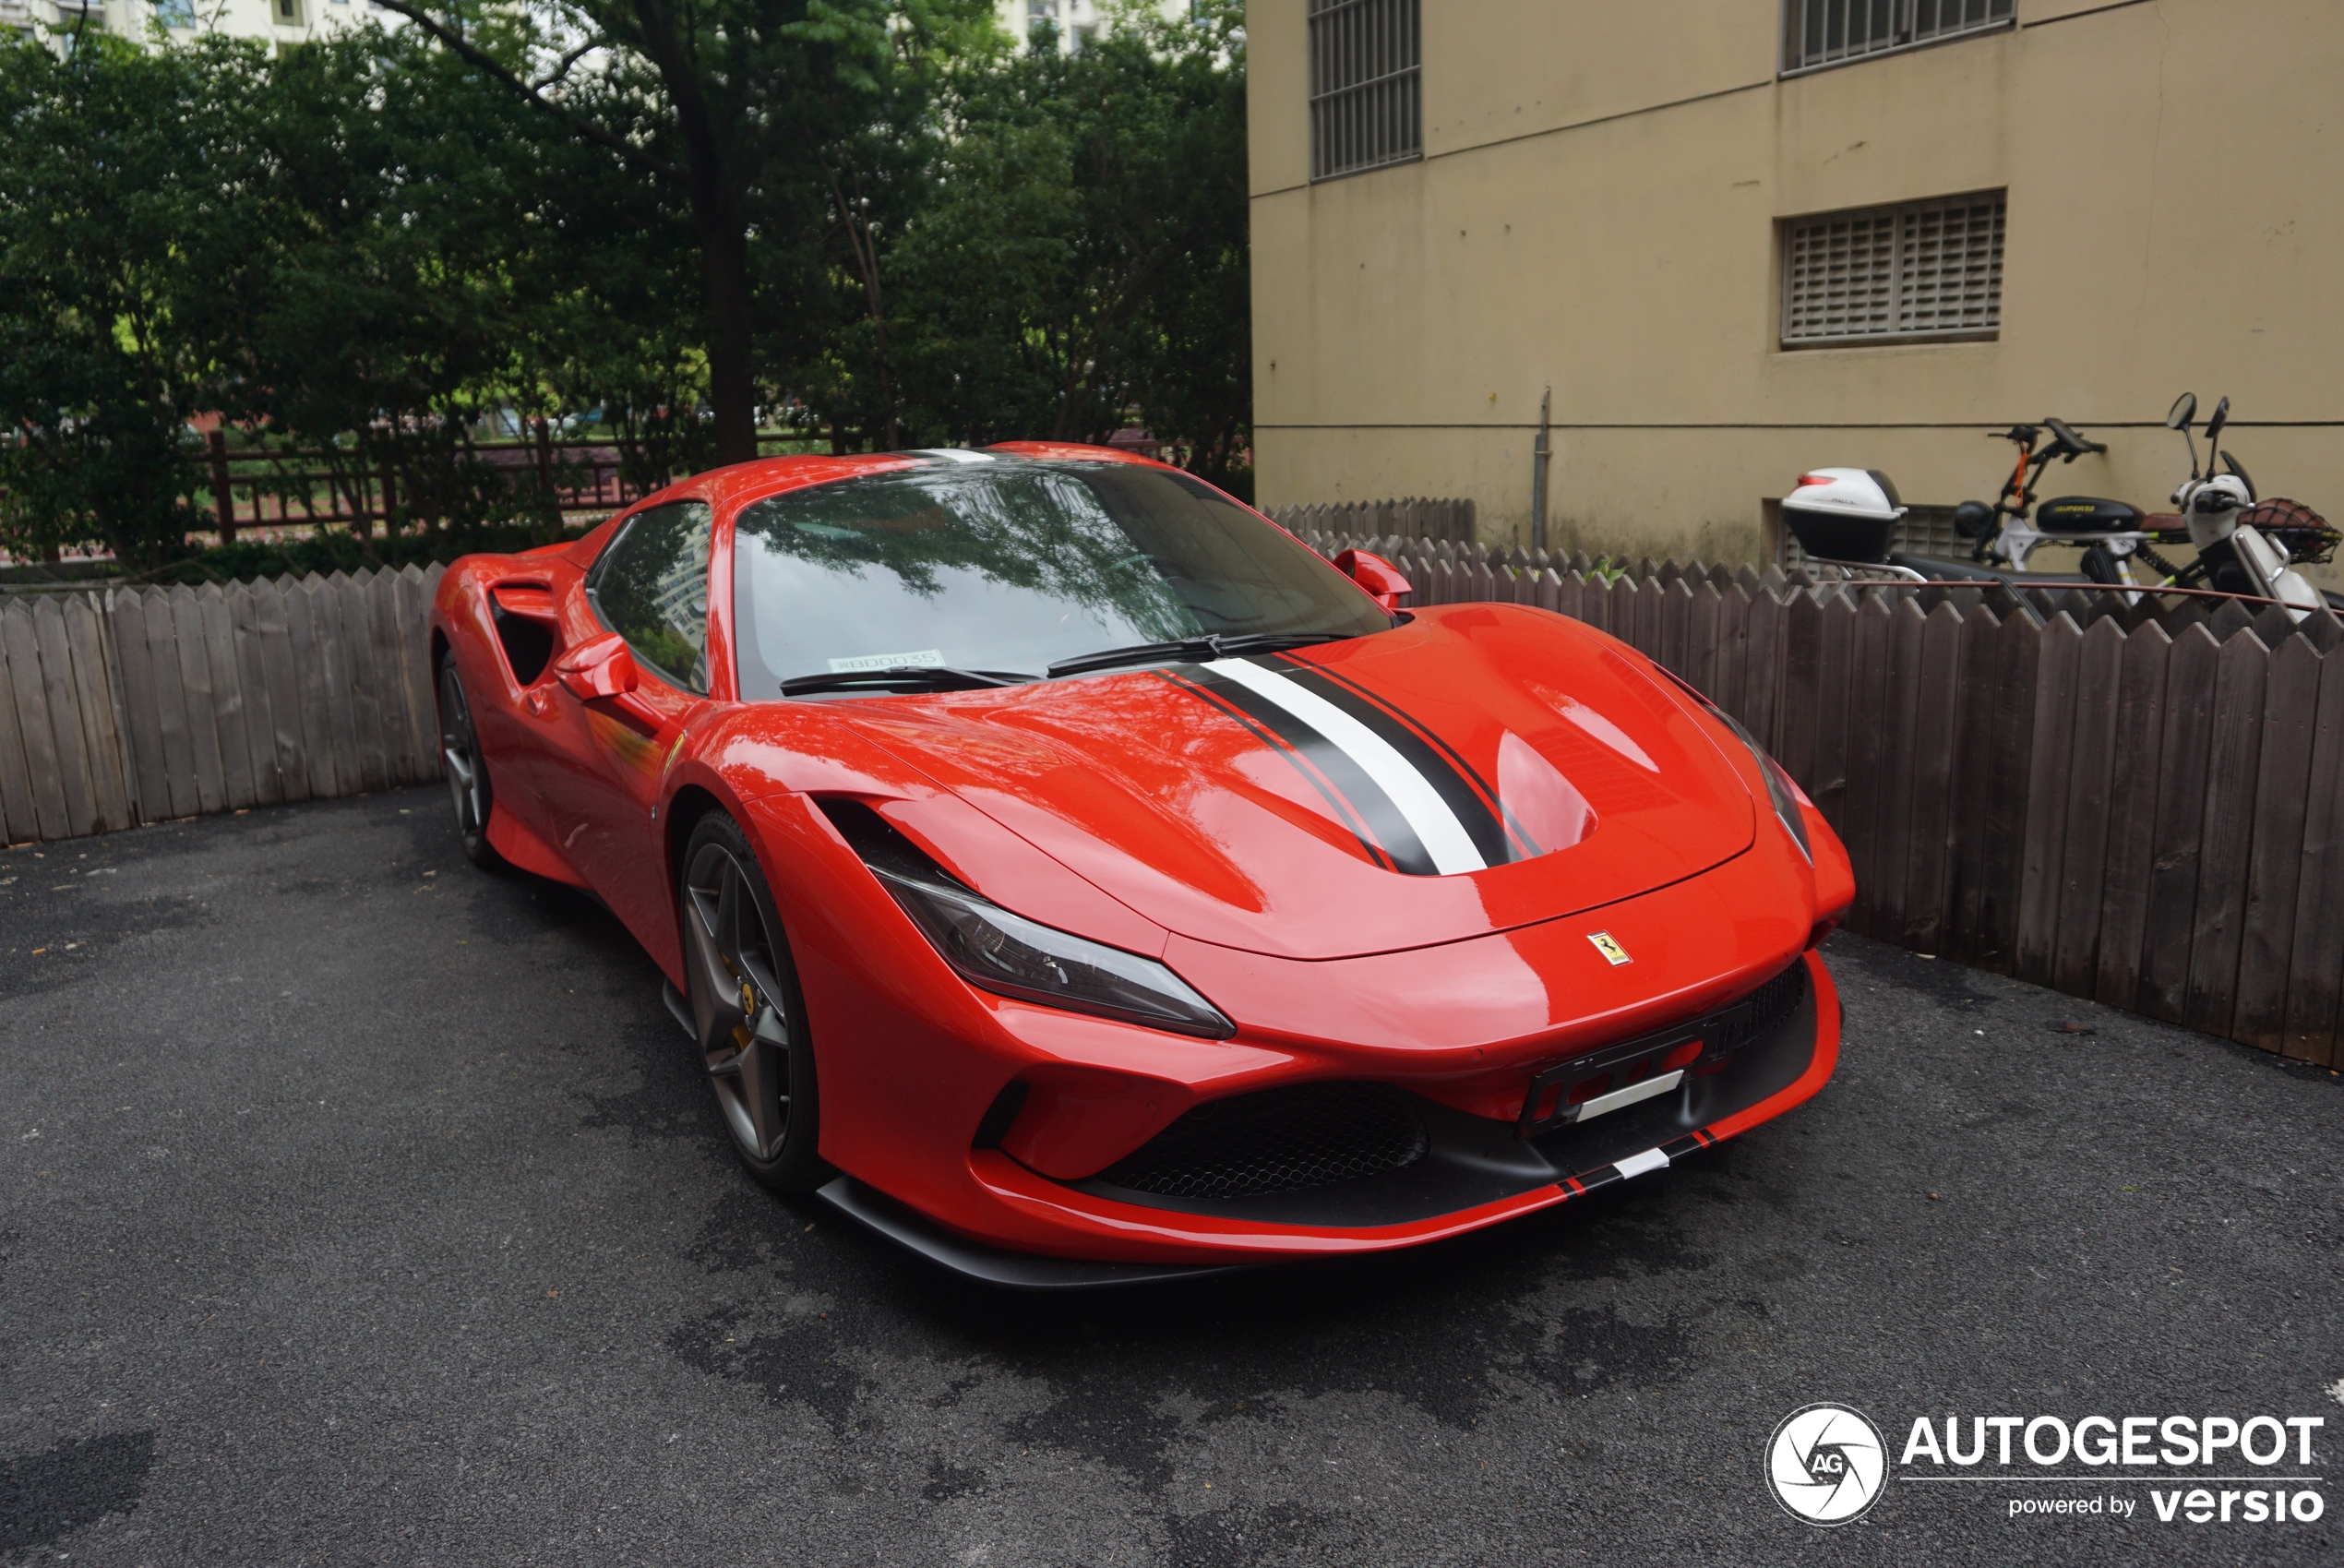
x: 358, y: 1207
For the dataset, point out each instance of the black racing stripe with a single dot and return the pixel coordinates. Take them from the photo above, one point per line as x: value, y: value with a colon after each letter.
x: 1478, y: 810
x: 1359, y: 791
x: 1336, y: 806
x: 1523, y: 846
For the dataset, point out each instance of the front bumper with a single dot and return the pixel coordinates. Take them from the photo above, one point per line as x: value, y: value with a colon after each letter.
x: 1475, y: 1172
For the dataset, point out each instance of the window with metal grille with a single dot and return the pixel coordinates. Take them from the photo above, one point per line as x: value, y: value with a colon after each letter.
x: 1830, y: 32
x: 1367, y: 106
x: 1929, y: 270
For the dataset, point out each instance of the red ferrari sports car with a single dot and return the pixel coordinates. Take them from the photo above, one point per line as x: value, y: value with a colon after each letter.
x: 1067, y: 873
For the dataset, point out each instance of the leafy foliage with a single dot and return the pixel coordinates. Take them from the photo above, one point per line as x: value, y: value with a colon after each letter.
x: 108, y: 234
x: 1080, y: 258
x: 871, y: 218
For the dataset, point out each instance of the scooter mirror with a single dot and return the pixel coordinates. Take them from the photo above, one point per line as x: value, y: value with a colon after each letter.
x: 2214, y: 425
x: 2184, y: 409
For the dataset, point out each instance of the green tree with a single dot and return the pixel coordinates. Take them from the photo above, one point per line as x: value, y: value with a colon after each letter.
x: 428, y: 251
x: 112, y: 225
x: 739, y: 99
x: 1082, y: 260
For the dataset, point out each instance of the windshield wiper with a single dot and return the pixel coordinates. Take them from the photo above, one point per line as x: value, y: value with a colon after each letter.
x: 1213, y: 646
x: 903, y: 677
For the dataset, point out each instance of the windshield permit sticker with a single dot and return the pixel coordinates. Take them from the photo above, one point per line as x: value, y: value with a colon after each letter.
x: 923, y: 659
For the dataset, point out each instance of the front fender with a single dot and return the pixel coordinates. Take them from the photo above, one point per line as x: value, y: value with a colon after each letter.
x: 760, y: 755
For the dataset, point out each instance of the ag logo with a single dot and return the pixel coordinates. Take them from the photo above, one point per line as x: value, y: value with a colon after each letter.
x: 1827, y: 1463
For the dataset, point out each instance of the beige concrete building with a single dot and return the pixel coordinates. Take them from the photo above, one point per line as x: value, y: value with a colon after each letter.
x: 276, y: 21
x: 1075, y: 22
x: 1739, y: 238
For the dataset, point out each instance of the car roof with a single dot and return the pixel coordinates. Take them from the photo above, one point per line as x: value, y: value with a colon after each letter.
x: 732, y: 487
x: 736, y: 485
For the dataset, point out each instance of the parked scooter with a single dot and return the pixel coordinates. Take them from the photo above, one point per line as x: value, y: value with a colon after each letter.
x: 2245, y: 546
x: 1841, y: 518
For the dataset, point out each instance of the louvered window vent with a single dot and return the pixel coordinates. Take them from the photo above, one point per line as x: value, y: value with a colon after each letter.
x: 1928, y: 269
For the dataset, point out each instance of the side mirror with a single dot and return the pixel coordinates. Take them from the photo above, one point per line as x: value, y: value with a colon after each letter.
x: 600, y: 666
x: 2184, y: 409
x: 1378, y: 576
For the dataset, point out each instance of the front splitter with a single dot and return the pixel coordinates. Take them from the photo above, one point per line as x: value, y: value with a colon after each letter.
x: 992, y: 1265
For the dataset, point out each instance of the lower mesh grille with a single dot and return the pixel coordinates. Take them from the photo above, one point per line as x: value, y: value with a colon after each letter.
x: 1762, y: 1011
x: 1278, y: 1140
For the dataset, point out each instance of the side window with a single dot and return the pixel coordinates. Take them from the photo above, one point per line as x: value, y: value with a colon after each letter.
x: 651, y: 586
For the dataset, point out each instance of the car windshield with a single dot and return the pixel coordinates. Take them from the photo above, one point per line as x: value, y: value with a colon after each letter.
x: 1011, y: 565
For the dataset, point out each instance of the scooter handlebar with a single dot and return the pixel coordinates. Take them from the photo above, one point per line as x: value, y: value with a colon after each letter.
x: 2068, y: 444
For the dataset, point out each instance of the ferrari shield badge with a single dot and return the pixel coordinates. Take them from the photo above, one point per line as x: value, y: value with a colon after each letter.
x: 1613, y: 952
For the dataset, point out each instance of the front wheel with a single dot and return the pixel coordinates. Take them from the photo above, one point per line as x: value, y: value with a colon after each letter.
x: 747, y: 1015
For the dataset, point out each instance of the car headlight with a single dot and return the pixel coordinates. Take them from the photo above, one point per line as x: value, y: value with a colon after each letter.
x: 1779, y: 787
x: 1010, y: 956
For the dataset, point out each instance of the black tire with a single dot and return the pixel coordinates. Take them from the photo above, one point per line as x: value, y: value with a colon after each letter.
x: 748, y: 1016
x: 467, y: 770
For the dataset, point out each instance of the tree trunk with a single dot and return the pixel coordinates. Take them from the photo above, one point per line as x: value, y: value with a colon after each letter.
x: 731, y: 388
x: 719, y: 226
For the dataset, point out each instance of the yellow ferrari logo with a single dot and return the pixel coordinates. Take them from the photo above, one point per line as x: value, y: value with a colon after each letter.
x: 1612, y: 951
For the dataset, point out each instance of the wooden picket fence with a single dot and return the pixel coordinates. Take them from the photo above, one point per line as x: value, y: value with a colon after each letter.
x: 2137, y: 804
x: 1451, y: 521
x: 128, y: 706
x: 2132, y: 802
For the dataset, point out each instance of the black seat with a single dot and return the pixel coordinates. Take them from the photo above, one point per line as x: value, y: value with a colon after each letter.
x: 2087, y: 514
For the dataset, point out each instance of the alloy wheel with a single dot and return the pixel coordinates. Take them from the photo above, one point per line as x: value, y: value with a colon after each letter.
x: 739, y: 1004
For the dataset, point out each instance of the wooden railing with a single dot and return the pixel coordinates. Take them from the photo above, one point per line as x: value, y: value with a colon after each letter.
x: 289, y: 486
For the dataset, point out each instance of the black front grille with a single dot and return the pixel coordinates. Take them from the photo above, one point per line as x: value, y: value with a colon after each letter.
x: 1761, y: 1012
x: 1278, y: 1140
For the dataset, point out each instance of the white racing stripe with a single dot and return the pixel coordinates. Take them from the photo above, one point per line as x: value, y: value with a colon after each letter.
x: 1637, y: 1164
x: 1444, y: 837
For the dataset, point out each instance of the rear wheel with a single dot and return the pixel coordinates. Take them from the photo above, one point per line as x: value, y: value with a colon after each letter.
x: 747, y: 1015
x: 467, y: 770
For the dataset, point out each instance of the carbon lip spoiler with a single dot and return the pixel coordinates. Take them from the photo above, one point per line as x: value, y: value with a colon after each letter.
x: 989, y: 1265
x: 992, y: 1265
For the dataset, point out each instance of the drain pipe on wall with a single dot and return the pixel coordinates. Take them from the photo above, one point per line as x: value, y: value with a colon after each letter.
x: 1540, y: 455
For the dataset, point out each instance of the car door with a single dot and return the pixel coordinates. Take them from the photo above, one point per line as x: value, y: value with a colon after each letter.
x: 599, y: 779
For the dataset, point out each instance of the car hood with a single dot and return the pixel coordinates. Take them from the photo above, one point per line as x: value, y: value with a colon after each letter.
x: 1477, y: 769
